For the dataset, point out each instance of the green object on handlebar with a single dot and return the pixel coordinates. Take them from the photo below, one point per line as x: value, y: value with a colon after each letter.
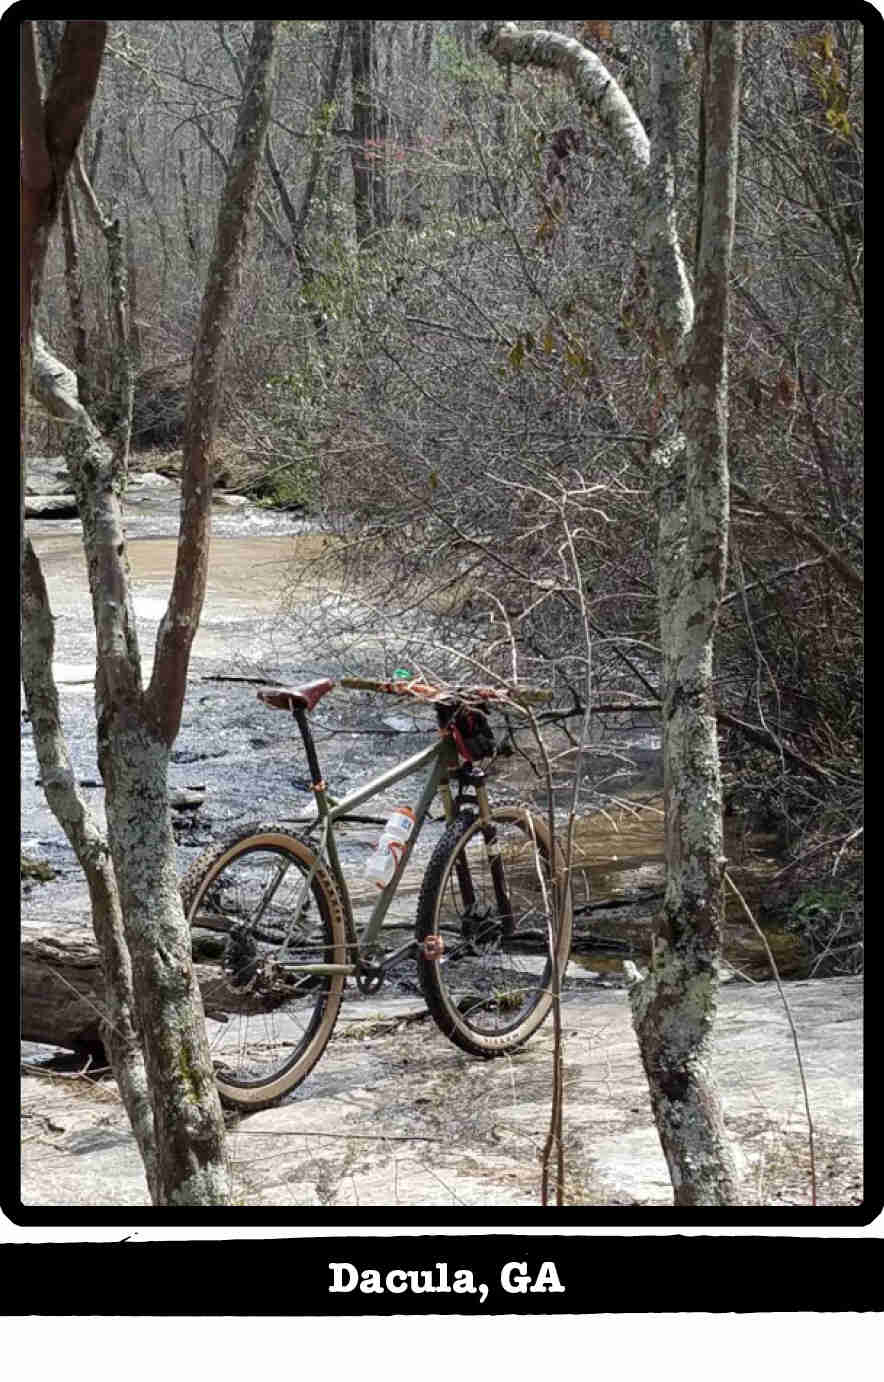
x: 402, y: 674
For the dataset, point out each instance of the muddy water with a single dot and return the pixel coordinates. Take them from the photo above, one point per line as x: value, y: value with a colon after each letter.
x: 244, y: 572
x: 246, y: 566
x: 619, y: 857
x: 246, y: 580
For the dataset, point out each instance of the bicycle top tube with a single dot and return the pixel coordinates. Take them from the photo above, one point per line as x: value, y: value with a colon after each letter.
x: 379, y: 784
x: 300, y: 699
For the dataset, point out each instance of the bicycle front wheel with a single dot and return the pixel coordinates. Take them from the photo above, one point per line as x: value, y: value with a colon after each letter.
x: 484, y: 922
x: 255, y: 920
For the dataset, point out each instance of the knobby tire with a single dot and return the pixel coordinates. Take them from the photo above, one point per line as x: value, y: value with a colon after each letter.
x: 492, y: 986
x: 267, y: 1025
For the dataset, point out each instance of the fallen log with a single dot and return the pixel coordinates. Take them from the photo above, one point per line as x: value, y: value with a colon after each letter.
x: 62, y: 988
x: 51, y: 506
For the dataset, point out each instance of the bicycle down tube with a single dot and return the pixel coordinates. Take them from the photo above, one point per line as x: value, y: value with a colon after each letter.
x: 443, y: 759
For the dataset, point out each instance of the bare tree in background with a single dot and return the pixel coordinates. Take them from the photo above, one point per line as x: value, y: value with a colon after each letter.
x: 154, y: 1007
x: 368, y: 149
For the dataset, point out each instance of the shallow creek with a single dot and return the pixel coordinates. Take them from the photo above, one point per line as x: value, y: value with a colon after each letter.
x: 246, y: 763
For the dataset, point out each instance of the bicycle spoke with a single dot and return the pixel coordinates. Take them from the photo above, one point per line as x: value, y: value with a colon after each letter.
x: 267, y: 1024
x: 487, y: 977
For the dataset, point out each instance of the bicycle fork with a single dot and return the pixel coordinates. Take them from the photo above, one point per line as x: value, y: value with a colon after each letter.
x: 476, y: 779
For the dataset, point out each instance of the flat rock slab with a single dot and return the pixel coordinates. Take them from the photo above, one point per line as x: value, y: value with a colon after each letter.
x: 394, y: 1115
x: 47, y: 475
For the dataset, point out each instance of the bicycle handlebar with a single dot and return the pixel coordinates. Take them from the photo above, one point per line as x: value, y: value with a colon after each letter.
x: 424, y: 691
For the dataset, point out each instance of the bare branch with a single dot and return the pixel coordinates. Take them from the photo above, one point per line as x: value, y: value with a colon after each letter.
x: 847, y: 572
x: 795, y: 1042
x: 165, y: 695
x: 593, y: 84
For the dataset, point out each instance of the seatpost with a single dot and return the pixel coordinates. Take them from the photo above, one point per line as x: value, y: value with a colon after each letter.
x: 300, y: 715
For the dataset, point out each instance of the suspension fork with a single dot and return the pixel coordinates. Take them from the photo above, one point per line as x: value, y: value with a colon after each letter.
x: 492, y: 848
x: 476, y: 780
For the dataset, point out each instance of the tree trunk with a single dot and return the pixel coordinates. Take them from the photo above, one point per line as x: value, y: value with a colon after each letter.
x: 56, y: 125
x: 74, y: 280
x: 136, y: 729
x: 418, y: 59
x: 298, y: 219
x: 466, y: 182
x: 369, y: 133
x: 191, y: 1166
x: 122, y: 370
x: 674, y: 1007
x: 111, y: 1016
x: 64, y: 996
x: 50, y: 132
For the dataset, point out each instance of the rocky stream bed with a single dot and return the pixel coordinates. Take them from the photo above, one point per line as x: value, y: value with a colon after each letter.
x: 394, y: 1115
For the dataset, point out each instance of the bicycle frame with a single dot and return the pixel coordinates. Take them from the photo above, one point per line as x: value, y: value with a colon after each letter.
x: 442, y: 759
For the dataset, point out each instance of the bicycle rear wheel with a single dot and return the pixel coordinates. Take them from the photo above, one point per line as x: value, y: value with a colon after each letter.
x: 483, y: 925
x: 253, y: 919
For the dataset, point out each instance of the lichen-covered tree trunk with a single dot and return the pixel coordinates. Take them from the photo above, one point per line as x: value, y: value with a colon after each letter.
x: 674, y: 1007
x: 50, y: 132
x: 192, y: 1165
x: 153, y: 1018
x: 133, y: 756
x: 137, y: 727
x: 602, y: 98
x: 118, y: 1024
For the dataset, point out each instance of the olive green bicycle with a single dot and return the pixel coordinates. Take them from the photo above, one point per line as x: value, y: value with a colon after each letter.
x: 274, y: 921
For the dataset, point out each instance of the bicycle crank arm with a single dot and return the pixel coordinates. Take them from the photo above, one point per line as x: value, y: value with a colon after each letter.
x: 373, y: 966
x: 409, y: 948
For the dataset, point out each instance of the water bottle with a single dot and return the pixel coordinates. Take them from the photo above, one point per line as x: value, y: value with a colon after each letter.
x: 383, y: 863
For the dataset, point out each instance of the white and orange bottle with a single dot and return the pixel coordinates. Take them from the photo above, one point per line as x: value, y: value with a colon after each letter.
x: 382, y: 864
